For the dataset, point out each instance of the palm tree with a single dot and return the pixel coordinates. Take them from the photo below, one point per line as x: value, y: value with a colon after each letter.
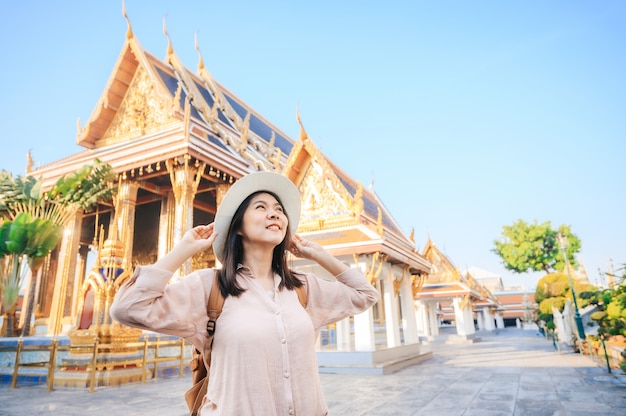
x: 37, y: 219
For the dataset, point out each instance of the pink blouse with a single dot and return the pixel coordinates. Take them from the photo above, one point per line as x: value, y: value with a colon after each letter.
x: 263, y: 360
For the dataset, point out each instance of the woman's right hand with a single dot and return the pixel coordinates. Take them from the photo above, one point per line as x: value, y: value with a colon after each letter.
x: 199, y: 238
x: 194, y: 241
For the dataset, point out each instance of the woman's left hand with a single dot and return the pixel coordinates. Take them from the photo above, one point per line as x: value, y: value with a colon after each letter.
x: 303, y: 248
x: 309, y: 250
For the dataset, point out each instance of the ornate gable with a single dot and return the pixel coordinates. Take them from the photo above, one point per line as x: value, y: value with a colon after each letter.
x: 442, y: 269
x: 326, y: 203
x: 132, y: 103
x: 141, y: 111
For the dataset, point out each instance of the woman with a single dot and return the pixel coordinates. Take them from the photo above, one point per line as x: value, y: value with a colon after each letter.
x: 263, y: 359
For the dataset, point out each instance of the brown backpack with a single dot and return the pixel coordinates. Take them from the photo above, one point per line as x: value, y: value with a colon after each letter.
x: 199, y: 372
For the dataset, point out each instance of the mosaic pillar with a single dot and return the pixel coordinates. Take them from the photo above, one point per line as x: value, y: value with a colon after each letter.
x: 124, y: 221
x: 66, y: 270
x: 79, y: 278
x: 166, y: 224
x: 185, y: 177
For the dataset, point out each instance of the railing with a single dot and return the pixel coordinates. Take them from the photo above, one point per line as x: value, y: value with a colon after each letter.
x: 20, y: 348
x: 151, y: 360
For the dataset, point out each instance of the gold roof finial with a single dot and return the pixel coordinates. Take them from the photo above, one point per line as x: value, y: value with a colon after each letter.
x: 201, y: 61
x: 170, y: 49
x: 303, y: 136
x: 29, y: 162
x: 129, y: 31
x: 412, y: 236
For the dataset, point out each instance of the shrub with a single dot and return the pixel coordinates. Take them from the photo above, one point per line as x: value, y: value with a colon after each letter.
x: 546, y: 305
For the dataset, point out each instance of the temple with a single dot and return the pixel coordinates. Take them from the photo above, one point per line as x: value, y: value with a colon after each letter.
x: 178, y: 140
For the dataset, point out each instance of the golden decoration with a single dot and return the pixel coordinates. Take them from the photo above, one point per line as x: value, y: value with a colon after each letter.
x: 464, y: 302
x: 417, y: 281
x: 358, y: 200
x: 140, y: 111
x: 303, y: 135
x: 129, y: 31
x: 379, y: 223
x: 375, y: 267
x: 244, y: 133
x: 29, y: 162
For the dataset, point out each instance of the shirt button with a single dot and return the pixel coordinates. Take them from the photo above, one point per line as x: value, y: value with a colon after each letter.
x: 291, y: 411
x: 286, y: 375
x: 283, y: 340
x: 277, y: 312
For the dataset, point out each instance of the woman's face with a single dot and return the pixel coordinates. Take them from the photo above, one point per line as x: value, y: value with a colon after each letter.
x: 264, y: 222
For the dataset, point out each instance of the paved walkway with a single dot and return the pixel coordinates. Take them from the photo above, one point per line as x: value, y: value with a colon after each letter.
x: 513, y: 372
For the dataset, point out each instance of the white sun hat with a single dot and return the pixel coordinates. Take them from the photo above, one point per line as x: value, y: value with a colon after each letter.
x: 278, y: 184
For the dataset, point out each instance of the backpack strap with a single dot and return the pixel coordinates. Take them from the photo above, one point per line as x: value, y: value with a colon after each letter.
x: 214, y: 309
x: 215, y: 305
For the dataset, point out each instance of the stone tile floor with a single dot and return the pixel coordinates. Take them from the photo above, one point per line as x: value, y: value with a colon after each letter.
x: 511, y: 372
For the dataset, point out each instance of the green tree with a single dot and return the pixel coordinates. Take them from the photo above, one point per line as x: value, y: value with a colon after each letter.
x: 36, y: 219
x: 534, y: 247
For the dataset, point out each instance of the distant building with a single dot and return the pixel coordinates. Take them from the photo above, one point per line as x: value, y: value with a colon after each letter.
x: 517, y: 301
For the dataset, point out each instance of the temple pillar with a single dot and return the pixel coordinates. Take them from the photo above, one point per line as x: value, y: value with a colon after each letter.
x: 409, y: 324
x: 392, y: 321
x: 342, y: 334
x: 432, y: 318
x: 66, y: 271
x: 480, y: 319
x: 488, y: 317
x: 499, y: 321
x: 166, y: 224
x: 421, y: 317
x: 83, y: 252
x: 185, y: 178
x: 124, y: 221
x: 364, y: 337
x: 463, y: 317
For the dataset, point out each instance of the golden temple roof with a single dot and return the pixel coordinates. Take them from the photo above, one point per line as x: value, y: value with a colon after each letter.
x: 152, y: 111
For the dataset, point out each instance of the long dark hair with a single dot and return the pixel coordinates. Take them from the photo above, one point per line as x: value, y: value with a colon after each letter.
x: 233, y: 254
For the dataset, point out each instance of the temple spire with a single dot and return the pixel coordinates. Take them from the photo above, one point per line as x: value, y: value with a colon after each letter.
x: 129, y: 31
x: 29, y: 162
x: 200, y: 61
x: 170, y: 48
x: 303, y: 135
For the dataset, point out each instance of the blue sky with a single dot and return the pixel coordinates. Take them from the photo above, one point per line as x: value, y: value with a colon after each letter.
x: 467, y: 115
